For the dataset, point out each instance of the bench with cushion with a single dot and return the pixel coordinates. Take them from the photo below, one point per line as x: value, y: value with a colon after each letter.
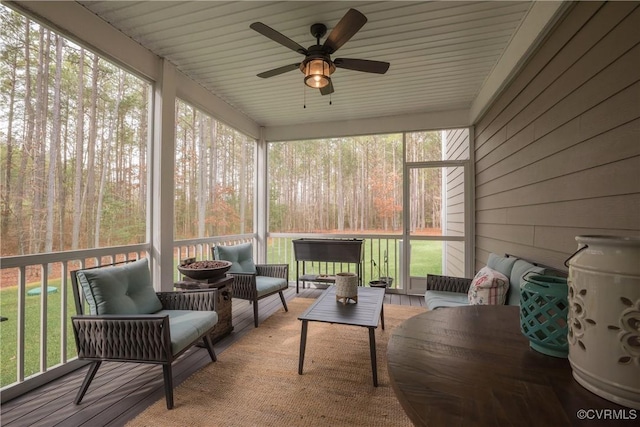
x: 447, y: 291
x: 128, y: 321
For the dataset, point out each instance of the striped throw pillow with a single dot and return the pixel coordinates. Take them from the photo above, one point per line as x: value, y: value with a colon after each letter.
x: 489, y: 287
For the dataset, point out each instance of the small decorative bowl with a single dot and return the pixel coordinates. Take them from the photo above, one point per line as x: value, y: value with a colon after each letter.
x: 205, y: 270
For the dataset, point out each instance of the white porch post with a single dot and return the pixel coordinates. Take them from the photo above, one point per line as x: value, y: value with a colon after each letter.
x: 162, y: 188
x: 262, y: 199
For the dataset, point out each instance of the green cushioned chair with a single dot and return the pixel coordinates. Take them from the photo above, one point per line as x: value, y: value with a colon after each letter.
x: 253, y: 281
x: 128, y: 321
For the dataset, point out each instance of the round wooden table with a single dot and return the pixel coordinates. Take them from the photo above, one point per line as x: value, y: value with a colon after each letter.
x: 472, y: 365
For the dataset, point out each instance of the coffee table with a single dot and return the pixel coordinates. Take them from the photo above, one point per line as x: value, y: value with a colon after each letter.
x: 367, y: 312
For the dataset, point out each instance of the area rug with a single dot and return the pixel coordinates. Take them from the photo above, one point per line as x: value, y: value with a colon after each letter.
x: 255, y: 382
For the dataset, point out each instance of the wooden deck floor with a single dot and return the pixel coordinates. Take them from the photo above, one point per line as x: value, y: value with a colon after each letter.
x: 120, y: 391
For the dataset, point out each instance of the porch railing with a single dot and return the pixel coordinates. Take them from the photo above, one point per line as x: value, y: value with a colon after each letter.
x: 37, y: 301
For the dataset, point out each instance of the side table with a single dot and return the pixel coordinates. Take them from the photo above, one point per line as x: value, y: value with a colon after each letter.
x: 223, y: 288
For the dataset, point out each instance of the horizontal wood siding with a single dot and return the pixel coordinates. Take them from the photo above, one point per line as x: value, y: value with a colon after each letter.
x: 558, y: 152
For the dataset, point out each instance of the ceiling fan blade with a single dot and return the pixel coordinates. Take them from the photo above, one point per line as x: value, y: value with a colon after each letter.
x: 328, y: 89
x: 364, y: 65
x: 279, y: 70
x: 350, y: 24
x: 277, y: 37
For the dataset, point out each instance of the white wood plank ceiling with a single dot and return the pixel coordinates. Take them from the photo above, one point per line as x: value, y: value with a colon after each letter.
x: 441, y: 53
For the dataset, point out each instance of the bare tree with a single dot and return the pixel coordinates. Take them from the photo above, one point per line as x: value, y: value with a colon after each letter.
x: 6, y: 194
x: 42, y: 106
x: 113, y: 123
x: 77, y: 186
x: 53, y: 149
x: 89, y: 190
x: 201, y: 195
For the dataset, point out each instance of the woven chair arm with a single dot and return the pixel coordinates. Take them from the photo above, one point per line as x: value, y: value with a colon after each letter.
x: 199, y: 301
x: 244, y: 285
x: 448, y: 283
x: 280, y: 271
x: 139, y: 338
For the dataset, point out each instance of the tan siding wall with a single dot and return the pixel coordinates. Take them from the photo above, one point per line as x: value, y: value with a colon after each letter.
x: 558, y: 153
x: 456, y: 148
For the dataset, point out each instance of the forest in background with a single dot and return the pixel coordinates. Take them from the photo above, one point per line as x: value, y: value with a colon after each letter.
x: 352, y: 184
x: 73, y: 144
x: 74, y: 141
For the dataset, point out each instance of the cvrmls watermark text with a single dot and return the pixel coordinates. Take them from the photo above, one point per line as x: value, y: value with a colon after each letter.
x: 607, y: 414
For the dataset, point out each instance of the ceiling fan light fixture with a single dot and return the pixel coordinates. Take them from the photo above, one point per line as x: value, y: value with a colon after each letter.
x: 317, y: 72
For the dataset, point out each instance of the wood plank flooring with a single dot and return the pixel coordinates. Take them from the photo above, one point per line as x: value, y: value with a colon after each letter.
x: 120, y: 391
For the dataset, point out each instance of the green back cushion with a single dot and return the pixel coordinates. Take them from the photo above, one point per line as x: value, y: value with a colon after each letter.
x: 520, y: 268
x: 240, y: 255
x: 120, y: 289
x: 502, y: 264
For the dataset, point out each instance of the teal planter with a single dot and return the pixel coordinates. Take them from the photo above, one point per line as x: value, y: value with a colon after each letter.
x: 543, y: 314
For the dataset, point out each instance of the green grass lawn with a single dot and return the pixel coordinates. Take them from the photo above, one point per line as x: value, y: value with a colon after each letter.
x: 9, y: 331
x: 426, y: 256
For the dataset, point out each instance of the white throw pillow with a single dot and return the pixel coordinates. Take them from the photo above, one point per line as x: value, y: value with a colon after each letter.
x: 489, y: 287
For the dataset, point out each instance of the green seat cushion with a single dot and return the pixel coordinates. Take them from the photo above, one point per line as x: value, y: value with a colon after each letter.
x: 440, y: 299
x: 240, y: 255
x: 187, y: 325
x: 268, y: 285
x: 119, y: 289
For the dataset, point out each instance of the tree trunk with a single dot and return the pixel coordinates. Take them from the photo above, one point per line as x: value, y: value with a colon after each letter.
x: 201, y: 197
x: 42, y: 106
x: 62, y: 179
x: 91, y: 150
x: 106, y: 161
x: 242, y: 194
x: 53, y: 150
x: 77, y: 186
x: 26, y: 146
x: 6, y: 196
x: 213, y: 166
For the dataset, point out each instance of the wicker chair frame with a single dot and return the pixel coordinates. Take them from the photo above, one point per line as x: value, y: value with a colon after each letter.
x: 245, y: 287
x: 448, y: 283
x: 134, y: 338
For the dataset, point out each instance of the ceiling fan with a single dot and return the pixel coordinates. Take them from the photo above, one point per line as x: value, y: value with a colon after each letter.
x: 317, y: 65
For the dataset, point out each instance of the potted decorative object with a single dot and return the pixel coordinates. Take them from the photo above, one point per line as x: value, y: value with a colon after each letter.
x: 387, y: 279
x: 383, y: 281
x: 543, y: 313
x: 604, y: 317
x: 204, y: 270
x: 346, y: 287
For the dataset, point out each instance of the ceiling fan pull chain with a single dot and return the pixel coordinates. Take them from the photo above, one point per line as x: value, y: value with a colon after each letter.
x: 304, y: 96
x: 330, y: 99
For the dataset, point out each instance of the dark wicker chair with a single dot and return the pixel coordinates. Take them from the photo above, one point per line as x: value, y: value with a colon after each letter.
x: 448, y: 283
x: 140, y: 338
x: 258, y: 285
